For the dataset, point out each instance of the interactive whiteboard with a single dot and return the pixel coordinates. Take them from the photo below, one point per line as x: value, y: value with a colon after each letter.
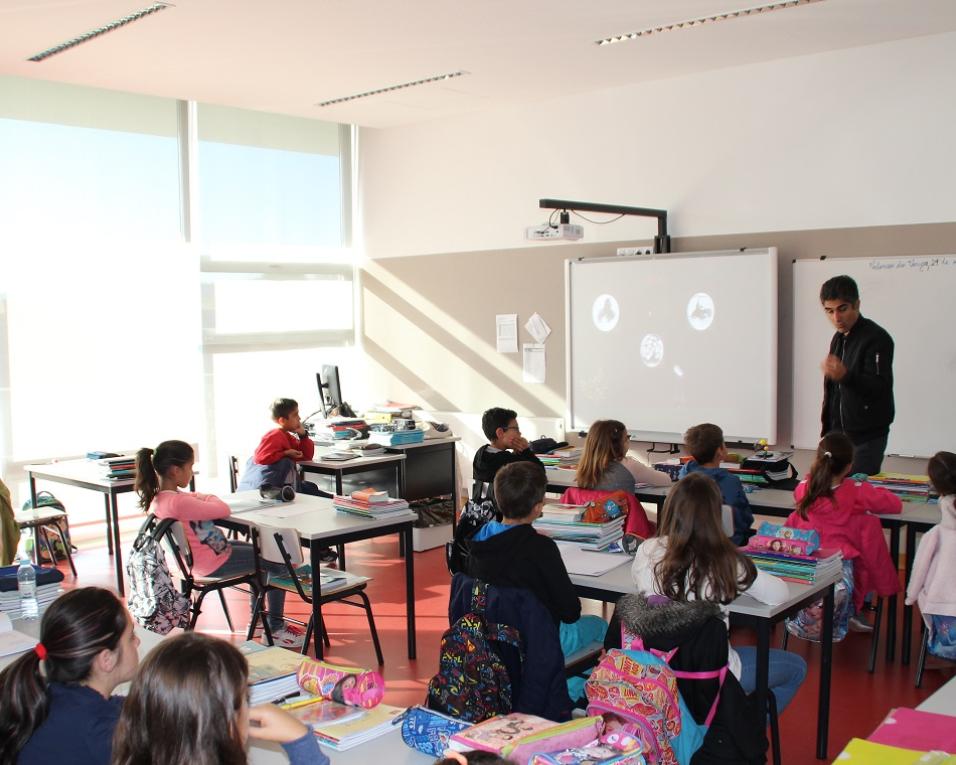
x: 912, y: 298
x: 663, y: 342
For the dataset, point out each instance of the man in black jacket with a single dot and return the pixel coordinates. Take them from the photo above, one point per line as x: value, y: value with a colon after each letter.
x: 858, y: 376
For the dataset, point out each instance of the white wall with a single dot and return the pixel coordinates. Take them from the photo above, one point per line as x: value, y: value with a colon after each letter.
x: 857, y: 137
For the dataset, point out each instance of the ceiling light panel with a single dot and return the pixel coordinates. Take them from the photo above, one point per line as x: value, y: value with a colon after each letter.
x: 391, y: 88
x: 142, y: 13
x: 727, y: 16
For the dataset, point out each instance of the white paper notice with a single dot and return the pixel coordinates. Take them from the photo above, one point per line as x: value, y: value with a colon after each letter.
x: 538, y: 328
x: 506, y: 330
x: 534, y: 362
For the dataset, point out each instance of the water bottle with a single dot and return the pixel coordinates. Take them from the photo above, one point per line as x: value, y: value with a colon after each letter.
x: 27, y: 586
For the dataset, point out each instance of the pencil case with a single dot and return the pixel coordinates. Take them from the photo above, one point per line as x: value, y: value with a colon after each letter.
x: 347, y: 685
x: 809, y: 536
x: 428, y: 731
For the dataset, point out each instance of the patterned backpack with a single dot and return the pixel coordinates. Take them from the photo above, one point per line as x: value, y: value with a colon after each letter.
x: 154, y: 602
x: 472, y: 683
x: 639, y: 688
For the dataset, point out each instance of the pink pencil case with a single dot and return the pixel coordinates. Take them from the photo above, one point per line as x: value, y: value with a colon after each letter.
x: 347, y: 685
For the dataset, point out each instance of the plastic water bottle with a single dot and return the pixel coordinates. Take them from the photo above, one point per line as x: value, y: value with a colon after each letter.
x: 27, y: 586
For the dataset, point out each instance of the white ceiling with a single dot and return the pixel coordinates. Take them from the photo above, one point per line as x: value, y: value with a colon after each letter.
x: 284, y: 56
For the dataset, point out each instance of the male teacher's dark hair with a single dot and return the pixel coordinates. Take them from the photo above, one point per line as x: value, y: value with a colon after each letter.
x: 840, y: 288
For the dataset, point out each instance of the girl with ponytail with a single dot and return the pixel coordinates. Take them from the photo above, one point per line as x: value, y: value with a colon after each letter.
x: 838, y: 508
x: 55, y: 701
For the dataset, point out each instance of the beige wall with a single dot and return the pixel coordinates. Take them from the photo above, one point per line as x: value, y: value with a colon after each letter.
x: 429, y: 321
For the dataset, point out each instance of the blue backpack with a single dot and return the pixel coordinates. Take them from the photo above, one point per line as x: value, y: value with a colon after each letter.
x: 472, y: 683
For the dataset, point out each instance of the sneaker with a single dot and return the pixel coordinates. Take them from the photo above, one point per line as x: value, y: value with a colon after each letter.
x: 859, y: 624
x: 290, y: 636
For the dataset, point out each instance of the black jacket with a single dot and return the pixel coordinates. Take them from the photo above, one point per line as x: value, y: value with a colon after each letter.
x: 523, y: 558
x: 486, y: 465
x: 861, y: 404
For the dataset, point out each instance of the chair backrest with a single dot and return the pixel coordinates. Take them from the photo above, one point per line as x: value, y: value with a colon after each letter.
x: 175, y: 539
x: 727, y: 519
x: 269, y: 548
x: 232, y: 468
x: 636, y: 522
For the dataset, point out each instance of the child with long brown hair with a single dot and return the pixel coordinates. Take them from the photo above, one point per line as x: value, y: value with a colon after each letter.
x: 188, y: 705
x: 837, y: 507
x: 56, y: 702
x: 605, y: 464
x: 691, y: 558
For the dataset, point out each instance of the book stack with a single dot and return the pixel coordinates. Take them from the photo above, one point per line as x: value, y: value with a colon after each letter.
x: 272, y: 672
x: 598, y: 535
x: 560, y: 457
x: 562, y: 512
x: 397, y: 437
x: 796, y: 567
x: 372, y: 723
x: 904, y: 485
x: 118, y: 467
x: 369, y: 503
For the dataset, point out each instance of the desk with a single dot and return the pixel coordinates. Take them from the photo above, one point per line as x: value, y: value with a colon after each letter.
x: 748, y: 612
x: 428, y: 470
x: 943, y: 702
x: 338, y: 469
x: 319, y: 525
x: 86, y: 474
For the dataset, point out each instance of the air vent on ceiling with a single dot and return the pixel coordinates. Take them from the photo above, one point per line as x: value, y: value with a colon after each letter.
x: 390, y: 88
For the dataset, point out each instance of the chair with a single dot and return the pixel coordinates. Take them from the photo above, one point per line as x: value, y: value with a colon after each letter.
x: 44, y: 521
x: 175, y: 539
x: 923, y: 652
x: 282, y: 546
x: 232, y: 468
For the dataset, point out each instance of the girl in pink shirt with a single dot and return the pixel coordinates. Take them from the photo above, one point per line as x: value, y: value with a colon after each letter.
x: 160, y: 474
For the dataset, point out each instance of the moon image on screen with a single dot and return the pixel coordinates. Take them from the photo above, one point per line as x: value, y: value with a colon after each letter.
x: 652, y: 350
x: 605, y: 312
x: 700, y: 311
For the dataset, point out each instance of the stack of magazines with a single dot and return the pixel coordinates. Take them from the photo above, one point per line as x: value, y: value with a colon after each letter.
x: 904, y: 485
x: 792, y: 554
x: 368, y: 503
x: 598, y: 535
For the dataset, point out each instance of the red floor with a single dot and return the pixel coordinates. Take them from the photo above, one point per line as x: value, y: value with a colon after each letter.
x: 858, y: 704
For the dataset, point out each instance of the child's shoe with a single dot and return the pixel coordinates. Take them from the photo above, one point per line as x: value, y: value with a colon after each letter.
x: 859, y: 624
x: 291, y: 636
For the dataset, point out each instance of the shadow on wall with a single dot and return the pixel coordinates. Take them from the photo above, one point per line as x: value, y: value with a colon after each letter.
x: 476, y: 382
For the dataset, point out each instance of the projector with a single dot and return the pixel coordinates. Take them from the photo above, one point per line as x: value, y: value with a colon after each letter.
x: 570, y: 232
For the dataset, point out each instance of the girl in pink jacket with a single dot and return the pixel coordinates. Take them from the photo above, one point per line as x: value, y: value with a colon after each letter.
x: 934, y: 569
x: 838, y: 508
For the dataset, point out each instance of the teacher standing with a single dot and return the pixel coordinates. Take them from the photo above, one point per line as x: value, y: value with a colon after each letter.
x: 858, y: 376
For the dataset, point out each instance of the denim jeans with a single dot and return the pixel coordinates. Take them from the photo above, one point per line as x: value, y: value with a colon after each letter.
x: 241, y: 561
x: 786, y: 673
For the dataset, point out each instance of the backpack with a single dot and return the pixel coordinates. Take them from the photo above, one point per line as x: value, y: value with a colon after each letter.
x: 807, y: 624
x: 154, y: 602
x: 473, y: 516
x: 472, y: 683
x: 639, y: 688
x: 46, y: 499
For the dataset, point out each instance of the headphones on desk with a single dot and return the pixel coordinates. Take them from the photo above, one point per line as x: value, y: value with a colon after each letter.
x: 282, y: 493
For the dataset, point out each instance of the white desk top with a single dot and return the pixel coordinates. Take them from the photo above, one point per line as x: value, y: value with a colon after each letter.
x: 87, y: 471
x: 376, y: 459
x: 618, y: 581
x: 943, y: 702
x: 426, y: 442
x: 311, y: 517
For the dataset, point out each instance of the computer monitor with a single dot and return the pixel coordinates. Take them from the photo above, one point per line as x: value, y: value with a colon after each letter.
x: 330, y: 388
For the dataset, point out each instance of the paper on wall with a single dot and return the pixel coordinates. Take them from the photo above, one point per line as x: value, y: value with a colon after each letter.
x: 538, y: 328
x: 535, y: 363
x: 506, y: 332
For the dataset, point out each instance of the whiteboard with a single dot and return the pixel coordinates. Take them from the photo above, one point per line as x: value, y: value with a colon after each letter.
x: 664, y: 342
x: 912, y: 298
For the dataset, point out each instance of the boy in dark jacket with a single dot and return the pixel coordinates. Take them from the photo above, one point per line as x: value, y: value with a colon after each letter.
x: 505, y: 446
x: 706, y: 445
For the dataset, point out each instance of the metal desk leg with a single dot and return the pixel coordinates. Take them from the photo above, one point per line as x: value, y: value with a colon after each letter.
x: 109, y: 525
x: 317, y: 625
x: 409, y: 591
x: 891, y: 600
x: 117, y: 548
x: 763, y: 666
x: 36, y: 530
x: 826, y: 665
x: 400, y: 476
x: 907, y: 610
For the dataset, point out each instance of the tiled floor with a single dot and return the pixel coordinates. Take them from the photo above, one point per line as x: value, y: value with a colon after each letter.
x: 859, y: 700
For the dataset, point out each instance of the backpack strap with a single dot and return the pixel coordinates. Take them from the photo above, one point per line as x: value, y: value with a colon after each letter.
x: 709, y: 674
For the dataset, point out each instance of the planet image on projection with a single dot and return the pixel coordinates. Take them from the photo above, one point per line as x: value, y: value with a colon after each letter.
x: 700, y: 311
x: 652, y: 350
x: 605, y: 312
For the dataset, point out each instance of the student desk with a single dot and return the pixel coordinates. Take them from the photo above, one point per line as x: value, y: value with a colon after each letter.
x: 319, y: 525
x: 746, y: 611
x: 943, y: 701
x: 338, y: 469
x: 428, y: 470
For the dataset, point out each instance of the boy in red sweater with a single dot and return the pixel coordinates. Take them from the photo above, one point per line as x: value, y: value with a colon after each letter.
x: 274, y: 461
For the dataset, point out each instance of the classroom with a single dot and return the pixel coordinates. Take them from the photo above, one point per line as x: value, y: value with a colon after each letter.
x: 212, y: 206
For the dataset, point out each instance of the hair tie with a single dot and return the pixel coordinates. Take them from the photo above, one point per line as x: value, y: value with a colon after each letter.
x: 40, y: 650
x: 828, y: 455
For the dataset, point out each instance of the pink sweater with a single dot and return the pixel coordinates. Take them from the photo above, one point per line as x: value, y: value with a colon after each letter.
x: 209, y: 547
x: 934, y: 570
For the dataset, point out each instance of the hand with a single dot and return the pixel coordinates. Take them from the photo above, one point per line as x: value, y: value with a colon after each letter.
x: 269, y: 723
x: 833, y: 368
x: 294, y: 453
x: 519, y: 443
x: 302, y: 432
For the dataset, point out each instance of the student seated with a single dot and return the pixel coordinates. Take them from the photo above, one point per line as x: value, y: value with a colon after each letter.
x: 160, y: 474
x: 691, y: 558
x: 706, y: 446
x: 605, y: 464
x: 56, y: 702
x: 189, y: 704
x: 275, y: 459
x: 836, y: 506
x: 511, y: 553
x: 505, y: 446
